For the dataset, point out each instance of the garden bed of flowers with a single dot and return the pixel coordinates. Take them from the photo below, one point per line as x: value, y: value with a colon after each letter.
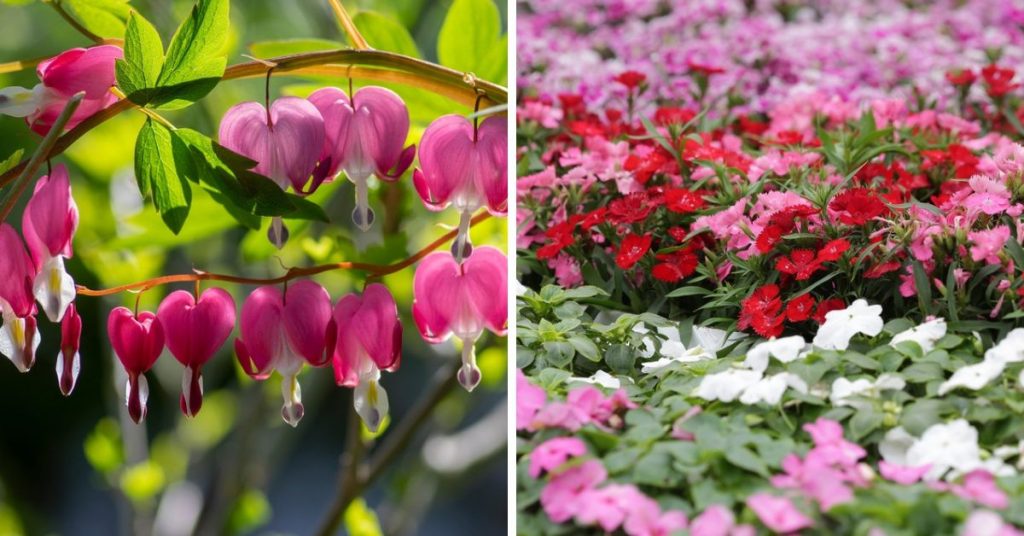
x: 770, y: 268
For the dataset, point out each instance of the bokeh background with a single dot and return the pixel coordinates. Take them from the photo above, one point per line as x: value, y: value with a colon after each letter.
x: 77, y: 465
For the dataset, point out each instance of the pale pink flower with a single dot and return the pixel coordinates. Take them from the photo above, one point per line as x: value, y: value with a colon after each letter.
x: 988, y: 243
x: 560, y: 498
x: 552, y: 453
x: 902, y: 474
x: 778, y: 513
x: 980, y: 486
x: 529, y: 400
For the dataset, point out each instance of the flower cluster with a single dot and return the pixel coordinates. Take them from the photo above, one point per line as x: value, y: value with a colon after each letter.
x: 298, y: 143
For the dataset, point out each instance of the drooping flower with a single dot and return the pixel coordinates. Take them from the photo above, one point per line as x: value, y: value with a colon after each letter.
x: 76, y: 70
x: 284, y: 332
x: 461, y: 300
x: 19, y: 337
x: 195, y: 331
x: 49, y: 223
x: 369, y: 339
x: 285, y: 141
x: 69, y: 362
x: 464, y: 165
x: 365, y: 135
x: 137, y: 340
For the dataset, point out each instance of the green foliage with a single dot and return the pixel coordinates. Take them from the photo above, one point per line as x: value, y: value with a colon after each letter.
x: 192, y: 66
x: 470, y: 38
x: 287, y: 47
x: 157, y: 157
x: 361, y: 520
x: 385, y: 33
x: 105, y: 18
x: 143, y: 481
x: 103, y: 447
x: 251, y: 511
x: 11, y: 160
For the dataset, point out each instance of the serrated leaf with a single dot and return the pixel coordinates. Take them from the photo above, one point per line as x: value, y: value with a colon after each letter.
x: 286, y: 47
x: 138, y: 72
x: 157, y: 174
x: 384, y: 33
x: 470, y: 28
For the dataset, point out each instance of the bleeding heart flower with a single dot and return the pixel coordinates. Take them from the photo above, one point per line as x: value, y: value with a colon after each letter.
x: 285, y: 142
x: 369, y: 339
x: 365, y: 135
x: 49, y: 223
x: 18, y: 336
x: 80, y: 69
x: 283, y: 332
x: 464, y: 165
x: 137, y: 341
x: 69, y: 363
x: 195, y: 331
x: 461, y: 300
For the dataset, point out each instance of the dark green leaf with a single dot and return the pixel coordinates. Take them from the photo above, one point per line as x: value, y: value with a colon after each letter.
x: 143, y: 59
x: 741, y: 456
x: 157, y: 174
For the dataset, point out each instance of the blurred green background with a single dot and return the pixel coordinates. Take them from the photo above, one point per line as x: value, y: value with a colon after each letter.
x: 78, y: 465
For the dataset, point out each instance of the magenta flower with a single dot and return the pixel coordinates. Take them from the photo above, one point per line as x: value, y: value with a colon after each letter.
x: 19, y: 337
x: 529, y: 400
x: 778, y: 513
x: 137, y: 341
x: 464, y: 165
x: 552, y: 453
x: 902, y: 474
x: 69, y: 363
x: 980, y: 486
x: 560, y: 498
x: 284, y: 141
x: 369, y: 339
x: 80, y: 69
x: 607, y: 506
x: 365, y: 135
x: 49, y: 223
x: 195, y: 331
x: 462, y: 300
x: 284, y: 332
x: 647, y: 519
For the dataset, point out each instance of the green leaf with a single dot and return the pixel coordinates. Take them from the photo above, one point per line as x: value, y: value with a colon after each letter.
x: 11, y: 161
x: 741, y: 456
x: 105, y: 18
x: 361, y: 520
x: 688, y: 291
x: 494, y: 63
x: 143, y: 59
x: 864, y: 422
x: 195, y: 59
x: 384, y: 33
x: 585, y: 347
x: 470, y: 28
x: 287, y: 47
x: 620, y: 358
x: 157, y: 173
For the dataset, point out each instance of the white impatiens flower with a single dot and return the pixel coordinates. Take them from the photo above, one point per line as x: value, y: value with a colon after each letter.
x: 847, y: 393
x: 770, y: 390
x: 925, y: 335
x: 946, y: 447
x: 973, y: 376
x: 726, y: 386
x: 786, y: 349
x: 841, y: 325
x: 601, y: 378
x: 1010, y: 349
x: 672, y: 350
x: 894, y: 446
x: 713, y: 339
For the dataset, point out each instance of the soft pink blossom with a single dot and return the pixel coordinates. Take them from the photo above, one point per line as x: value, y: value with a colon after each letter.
x: 553, y: 453
x: 778, y: 513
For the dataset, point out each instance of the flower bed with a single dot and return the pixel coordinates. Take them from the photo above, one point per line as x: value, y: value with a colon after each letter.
x: 785, y: 305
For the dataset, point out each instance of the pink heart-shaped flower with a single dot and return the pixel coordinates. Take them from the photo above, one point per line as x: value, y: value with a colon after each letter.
x: 368, y: 327
x: 464, y: 168
x: 137, y: 341
x: 79, y: 69
x: 287, y: 149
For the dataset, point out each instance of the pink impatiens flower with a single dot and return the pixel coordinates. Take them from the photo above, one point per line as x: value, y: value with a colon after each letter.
x: 137, y: 341
x: 450, y: 298
x: 529, y: 400
x: 195, y: 330
x: 902, y: 474
x: 49, y: 223
x: 19, y: 336
x: 365, y: 135
x: 553, y: 453
x: 464, y: 164
x: 778, y: 513
x: 560, y: 498
x: 286, y: 142
x: 369, y: 339
x: 988, y: 243
x: 980, y: 486
x: 76, y: 70
x: 717, y: 520
x: 284, y: 332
